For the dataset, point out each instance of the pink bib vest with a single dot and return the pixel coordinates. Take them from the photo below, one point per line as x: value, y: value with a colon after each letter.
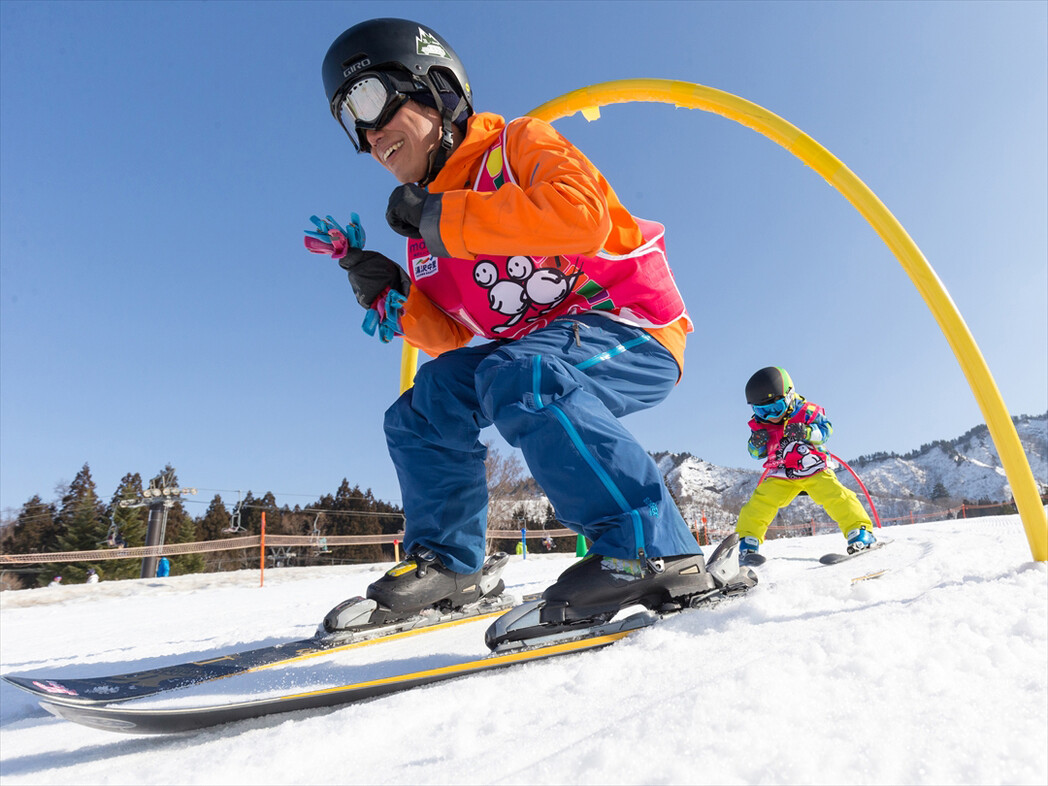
x: 792, y: 458
x: 509, y: 296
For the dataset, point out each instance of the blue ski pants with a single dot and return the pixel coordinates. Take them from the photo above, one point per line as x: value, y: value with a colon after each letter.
x: 556, y: 394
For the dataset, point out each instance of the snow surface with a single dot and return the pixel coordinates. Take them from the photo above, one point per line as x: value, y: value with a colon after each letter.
x: 934, y: 673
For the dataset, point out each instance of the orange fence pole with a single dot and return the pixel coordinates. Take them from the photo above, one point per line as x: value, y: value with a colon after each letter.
x: 262, y: 553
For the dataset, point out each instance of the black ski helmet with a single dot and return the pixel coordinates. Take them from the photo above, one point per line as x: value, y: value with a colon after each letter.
x: 767, y: 385
x: 402, y: 46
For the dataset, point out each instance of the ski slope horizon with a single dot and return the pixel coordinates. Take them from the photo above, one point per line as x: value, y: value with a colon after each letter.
x: 934, y: 672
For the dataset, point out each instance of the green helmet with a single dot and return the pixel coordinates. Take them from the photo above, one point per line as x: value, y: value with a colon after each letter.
x: 767, y: 385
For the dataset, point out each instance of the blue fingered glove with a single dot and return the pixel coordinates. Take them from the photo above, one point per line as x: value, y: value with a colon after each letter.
x: 331, y: 238
x: 376, y: 279
x: 385, y: 317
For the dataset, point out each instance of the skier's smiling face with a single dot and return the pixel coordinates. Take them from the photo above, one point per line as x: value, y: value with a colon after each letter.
x: 404, y: 144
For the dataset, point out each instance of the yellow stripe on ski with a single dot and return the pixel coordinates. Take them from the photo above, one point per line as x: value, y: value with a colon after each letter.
x: 481, y: 663
x: 376, y: 640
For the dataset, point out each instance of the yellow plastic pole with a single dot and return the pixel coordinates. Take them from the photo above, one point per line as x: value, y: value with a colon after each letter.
x: 408, y: 366
x: 588, y: 100
x: 685, y: 94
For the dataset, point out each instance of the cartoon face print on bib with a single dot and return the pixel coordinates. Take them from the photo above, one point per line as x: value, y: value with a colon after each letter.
x: 799, y: 459
x: 521, y: 287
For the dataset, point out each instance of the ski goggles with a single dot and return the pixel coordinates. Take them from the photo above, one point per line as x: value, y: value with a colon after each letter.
x: 775, y: 410
x: 371, y: 100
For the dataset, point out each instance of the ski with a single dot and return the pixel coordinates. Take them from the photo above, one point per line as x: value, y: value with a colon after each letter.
x: 138, y: 684
x: 121, y: 718
x: 353, y: 623
x: 129, y: 720
x: 834, y: 558
x: 529, y: 643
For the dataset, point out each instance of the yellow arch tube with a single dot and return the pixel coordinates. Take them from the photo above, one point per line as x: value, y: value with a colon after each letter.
x: 408, y: 366
x: 588, y: 100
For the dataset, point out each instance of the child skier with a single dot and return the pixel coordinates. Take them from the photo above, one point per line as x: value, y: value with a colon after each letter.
x: 515, y: 237
x: 785, y: 431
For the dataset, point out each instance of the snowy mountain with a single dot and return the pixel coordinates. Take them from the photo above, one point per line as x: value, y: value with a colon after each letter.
x: 936, y: 477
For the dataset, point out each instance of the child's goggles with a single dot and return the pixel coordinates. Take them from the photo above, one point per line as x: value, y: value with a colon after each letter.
x: 774, y: 410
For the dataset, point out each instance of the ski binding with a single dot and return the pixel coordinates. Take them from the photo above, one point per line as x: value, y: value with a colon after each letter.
x: 523, y: 628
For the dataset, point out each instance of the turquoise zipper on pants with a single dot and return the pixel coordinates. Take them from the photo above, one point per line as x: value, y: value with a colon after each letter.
x: 580, y: 446
x: 616, y: 350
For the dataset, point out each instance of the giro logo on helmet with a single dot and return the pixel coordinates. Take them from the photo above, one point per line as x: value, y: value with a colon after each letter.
x: 356, y: 66
x: 427, y: 44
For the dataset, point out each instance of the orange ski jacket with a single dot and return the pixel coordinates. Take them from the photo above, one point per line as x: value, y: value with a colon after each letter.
x: 561, y: 204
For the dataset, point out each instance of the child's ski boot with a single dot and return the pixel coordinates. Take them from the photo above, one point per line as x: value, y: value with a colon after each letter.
x: 859, y: 539
x: 748, y: 551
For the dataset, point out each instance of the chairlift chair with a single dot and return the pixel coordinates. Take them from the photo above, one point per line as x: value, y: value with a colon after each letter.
x: 234, y: 518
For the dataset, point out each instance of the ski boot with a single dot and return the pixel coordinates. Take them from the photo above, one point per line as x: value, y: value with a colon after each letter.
x: 418, y: 592
x: 859, y: 539
x: 748, y: 551
x: 421, y: 581
x: 729, y: 573
x: 596, y: 587
x: 584, y: 601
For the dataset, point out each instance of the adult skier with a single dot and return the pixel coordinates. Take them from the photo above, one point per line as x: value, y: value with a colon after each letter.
x: 786, y: 431
x: 514, y: 236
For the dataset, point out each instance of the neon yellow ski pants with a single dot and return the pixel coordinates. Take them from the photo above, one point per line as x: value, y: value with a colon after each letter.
x: 840, y: 503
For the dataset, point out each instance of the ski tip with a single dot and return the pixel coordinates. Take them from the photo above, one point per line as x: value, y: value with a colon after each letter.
x: 43, y: 688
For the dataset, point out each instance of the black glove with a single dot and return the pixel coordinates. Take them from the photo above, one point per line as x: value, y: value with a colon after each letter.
x: 414, y: 212
x: 372, y: 273
x: 797, y: 432
x: 404, y: 211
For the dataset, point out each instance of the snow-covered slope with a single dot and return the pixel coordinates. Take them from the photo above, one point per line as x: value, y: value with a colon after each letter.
x: 936, y: 672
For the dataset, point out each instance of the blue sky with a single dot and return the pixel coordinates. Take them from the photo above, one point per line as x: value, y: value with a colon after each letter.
x: 159, y: 162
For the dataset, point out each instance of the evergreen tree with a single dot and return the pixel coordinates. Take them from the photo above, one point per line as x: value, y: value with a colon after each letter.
x: 34, y: 531
x: 127, y: 529
x: 83, y: 525
x: 212, y: 526
x: 182, y: 529
x: 251, y: 521
x: 251, y: 516
x: 353, y: 517
x: 214, y: 521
